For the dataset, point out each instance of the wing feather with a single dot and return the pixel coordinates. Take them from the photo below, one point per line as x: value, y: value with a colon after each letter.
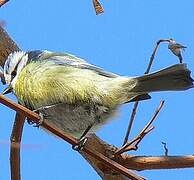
x: 66, y: 59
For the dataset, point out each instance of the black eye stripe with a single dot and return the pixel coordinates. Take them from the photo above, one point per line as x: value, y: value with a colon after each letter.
x: 13, y: 73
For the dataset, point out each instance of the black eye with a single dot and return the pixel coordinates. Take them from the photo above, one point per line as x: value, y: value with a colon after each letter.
x: 13, y: 74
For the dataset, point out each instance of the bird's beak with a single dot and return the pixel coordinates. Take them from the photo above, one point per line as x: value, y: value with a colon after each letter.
x: 2, y: 77
x: 7, y: 90
x: 3, y: 80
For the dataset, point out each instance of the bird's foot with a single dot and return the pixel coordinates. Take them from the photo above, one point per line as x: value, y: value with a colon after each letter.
x: 39, y: 123
x: 41, y: 118
x: 30, y: 121
x: 82, y: 140
x: 81, y: 143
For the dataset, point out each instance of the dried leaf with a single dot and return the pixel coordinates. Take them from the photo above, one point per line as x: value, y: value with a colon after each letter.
x: 2, y: 2
x: 98, y: 7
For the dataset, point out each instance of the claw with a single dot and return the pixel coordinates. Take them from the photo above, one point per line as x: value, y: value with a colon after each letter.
x: 81, y: 143
x: 38, y: 124
x: 30, y: 122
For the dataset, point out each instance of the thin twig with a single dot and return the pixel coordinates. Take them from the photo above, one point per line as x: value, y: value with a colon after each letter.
x: 130, y: 122
x: 165, y: 148
x: 15, y: 146
x: 58, y: 132
x: 133, y: 144
x: 135, y: 106
x: 154, y: 53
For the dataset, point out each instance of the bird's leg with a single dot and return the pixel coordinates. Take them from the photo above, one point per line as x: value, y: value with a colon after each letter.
x: 92, y: 110
x: 86, y: 131
x: 38, y: 124
x: 180, y: 58
x: 45, y: 107
x: 82, y: 140
x: 78, y: 147
x: 41, y: 114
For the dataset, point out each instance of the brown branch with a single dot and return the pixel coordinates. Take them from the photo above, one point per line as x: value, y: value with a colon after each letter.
x: 133, y: 144
x: 50, y: 127
x: 106, y: 172
x: 7, y: 46
x: 98, y: 7
x: 157, y: 162
x: 15, y: 146
x: 139, y: 162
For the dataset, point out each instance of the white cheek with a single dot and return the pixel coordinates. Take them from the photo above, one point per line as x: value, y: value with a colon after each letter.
x: 22, y: 63
x: 7, y: 79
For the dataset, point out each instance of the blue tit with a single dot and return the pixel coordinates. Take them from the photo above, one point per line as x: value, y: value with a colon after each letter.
x: 74, y: 94
x: 176, y: 48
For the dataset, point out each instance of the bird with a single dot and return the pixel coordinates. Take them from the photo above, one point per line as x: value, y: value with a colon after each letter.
x: 74, y: 94
x: 176, y: 48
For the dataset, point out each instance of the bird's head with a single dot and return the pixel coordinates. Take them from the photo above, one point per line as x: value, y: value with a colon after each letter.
x: 13, y: 65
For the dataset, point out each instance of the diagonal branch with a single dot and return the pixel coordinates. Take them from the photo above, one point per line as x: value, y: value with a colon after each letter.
x: 7, y: 46
x: 50, y: 127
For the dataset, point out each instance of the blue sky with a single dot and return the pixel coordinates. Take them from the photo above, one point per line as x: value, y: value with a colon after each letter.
x: 120, y: 40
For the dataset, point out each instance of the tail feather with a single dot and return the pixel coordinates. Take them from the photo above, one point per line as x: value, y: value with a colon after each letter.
x: 140, y: 97
x: 176, y: 77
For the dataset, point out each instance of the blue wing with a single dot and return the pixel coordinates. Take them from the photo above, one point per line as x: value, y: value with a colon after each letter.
x: 66, y: 59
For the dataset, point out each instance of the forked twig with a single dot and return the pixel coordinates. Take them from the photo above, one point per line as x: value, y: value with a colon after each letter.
x: 133, y: 144
x: 15, y: 146
x: 135, y: 106
x: 136, y: 162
